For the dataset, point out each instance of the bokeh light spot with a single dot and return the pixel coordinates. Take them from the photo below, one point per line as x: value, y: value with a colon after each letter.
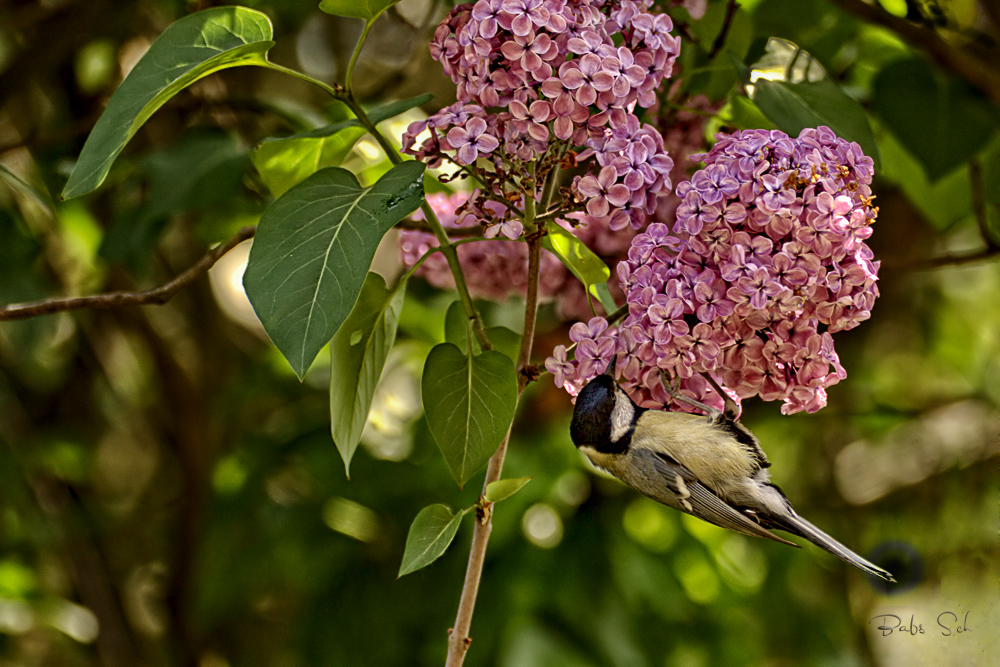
x: 542, y: 526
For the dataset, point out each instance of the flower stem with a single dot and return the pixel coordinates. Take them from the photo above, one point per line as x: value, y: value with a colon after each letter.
x: 547, y: 189
x: 335, y: 91
x: 354, y: 56
x: 459, y: 640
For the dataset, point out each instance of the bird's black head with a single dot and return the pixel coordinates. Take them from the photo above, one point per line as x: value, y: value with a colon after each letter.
x: 604, y: 417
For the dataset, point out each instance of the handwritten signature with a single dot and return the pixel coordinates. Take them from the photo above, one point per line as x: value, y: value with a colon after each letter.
x: 948, y: 621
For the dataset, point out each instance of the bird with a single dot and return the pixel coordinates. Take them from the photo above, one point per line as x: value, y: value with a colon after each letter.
x: 707, y: 465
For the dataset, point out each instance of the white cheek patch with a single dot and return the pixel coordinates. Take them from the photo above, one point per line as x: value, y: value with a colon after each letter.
x: 621, y: 416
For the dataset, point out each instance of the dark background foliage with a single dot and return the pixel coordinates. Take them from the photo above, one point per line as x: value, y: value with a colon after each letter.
x: 169, y: 493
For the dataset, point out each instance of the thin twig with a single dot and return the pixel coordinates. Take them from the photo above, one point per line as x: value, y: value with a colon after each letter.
x: 720, y: 41
x: 158, y: 295
x: 454, y: 232
x: 686, y: 33
x: 459, y: 639
x: 932, y: 263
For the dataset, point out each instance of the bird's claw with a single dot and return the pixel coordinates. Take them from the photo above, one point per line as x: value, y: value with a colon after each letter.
x: 714, y: 414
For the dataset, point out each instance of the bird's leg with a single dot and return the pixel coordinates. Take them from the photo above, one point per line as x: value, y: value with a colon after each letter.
x: 730, y: 408
x: 675, y: 393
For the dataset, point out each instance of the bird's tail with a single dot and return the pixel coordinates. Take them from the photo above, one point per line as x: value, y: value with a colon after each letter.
x: 799, y: 526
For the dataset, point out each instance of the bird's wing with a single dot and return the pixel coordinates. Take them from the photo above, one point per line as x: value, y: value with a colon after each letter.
x: 702, y: 502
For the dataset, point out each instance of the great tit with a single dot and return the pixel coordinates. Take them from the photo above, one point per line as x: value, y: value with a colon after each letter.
x: 707, y: 465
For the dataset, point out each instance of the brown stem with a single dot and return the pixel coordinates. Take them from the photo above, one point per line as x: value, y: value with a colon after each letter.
x: 459, y: 639
x: 530, y: 306
x: 945, y: 260
x: 720, y: 41
x: 158, y: 295
x: 422, y: 226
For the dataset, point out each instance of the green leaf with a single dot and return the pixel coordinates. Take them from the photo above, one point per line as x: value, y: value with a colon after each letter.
x: 504, y: 488
x: 588, y: 268
x: 356, y: 9
x: 744, y: 114
x: 22, y: 186
x: 577, y: 257
x: 943, y: 202
x: 469, y: 403
x: 431, y: 532
x: 188, y: 50
x: 795, y: 106
x: 456, y: 326
x: 393, y: 109
x: 200, y: 171
x: 284, y: 163
x: 603, y: 295
x: 506, y: 341
x: 312, y: 251
x: 819, y: 27
x: 456, y: 332
x: 939, y: 119
x: 357, y: 355
x: 287, y: 161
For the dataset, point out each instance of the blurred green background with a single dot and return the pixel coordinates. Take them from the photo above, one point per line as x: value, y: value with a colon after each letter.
x: 170, y: 495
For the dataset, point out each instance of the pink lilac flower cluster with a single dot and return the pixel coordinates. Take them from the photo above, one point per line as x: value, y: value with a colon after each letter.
x: 494, y: 269
x: 497, y: 271
x: 683, y: 132
x: 767, y: 258
x: 541, y: 78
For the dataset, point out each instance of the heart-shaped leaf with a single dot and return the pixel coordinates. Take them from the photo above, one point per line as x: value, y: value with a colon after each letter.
x: 504, y: 488
x: 312, y: 251
x: 287, y: 161
x: 456, y: 332
x: 357, y: 355
x: 795, y: 106
x: 505, y: 341
x: 431, y: 532
x: 456, y: 326
x: 188, y: 50
x: 469, y: 402
x: 368, y: 10
x: 941, y: 120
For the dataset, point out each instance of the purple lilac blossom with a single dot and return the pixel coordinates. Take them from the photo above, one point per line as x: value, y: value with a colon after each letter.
x: 765, y: 260
x: 494, y: 269
x: 538, y: 78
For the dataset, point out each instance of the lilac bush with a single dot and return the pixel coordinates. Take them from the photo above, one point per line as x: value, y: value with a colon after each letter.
x: 765, y: 260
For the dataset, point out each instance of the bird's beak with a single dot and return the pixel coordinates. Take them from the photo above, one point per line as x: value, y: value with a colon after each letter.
x: 610, y: 370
